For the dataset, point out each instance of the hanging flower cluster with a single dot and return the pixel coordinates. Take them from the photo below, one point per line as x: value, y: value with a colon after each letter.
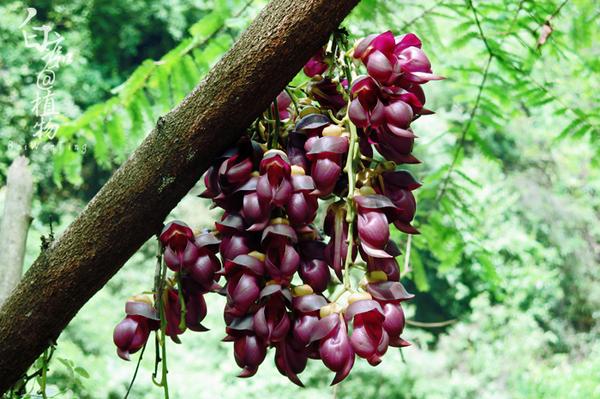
x: 335, y: 142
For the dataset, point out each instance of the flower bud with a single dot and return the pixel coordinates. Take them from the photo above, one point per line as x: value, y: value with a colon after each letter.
x: 313, y: 268
x: 316, y: 65
x: 332, y: 130
x: 301, y: 290
x: 298, y: 170
x: 132, y: 333
x: 376, y: 276
x: 336, y: 351
x: 358, y: 296
x: 369, y: 339
x: 271, y: 321
x: 291, y: 360
x: 249, y: 352
x: 176, y: 235
x: 329, y: 309
x: 258, y: 255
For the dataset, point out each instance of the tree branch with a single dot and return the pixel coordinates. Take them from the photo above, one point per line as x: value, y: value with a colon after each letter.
x: 132, y: 205
x: 438, y: 324
x: 467, y: 126
x: 14, y: 226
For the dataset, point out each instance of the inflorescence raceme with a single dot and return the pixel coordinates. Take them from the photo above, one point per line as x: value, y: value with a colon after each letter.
x: 335, y: 141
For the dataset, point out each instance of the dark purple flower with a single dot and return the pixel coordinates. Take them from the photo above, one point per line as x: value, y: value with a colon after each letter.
x: 235, y: 171
x: 295, y: 150
x: 195, y: 305
x: 373, y: 229
x: 229, y: 172
x: 255, y: 210
x: 244, y: 282
x: 369, y: 339
x: 397, y: 186
x: 373, y: 223
x: 313, y: 268
x: 326, y: 155
x: 235, y: 244
x: 389, y: 266
x: 336, y: 227
x: 243, y: 289
x: 316, y: 65
x: 306, y: 309
x: 290, y: 360
x: 176, y: 235
x: 131, y: 334
x: 302, y: 206
x: 249, y: 352
x: 377, y: 53
x: 204, y: 270
x: 312, y: 125
x: 388, y: 292
x: 398, y: 114
x: 176, y: 260
x: 282, y: 259
x: 390, y: 59
x: 414, y: 64
x: 252, y: 263
x: 366, y: 108
x: 274, y: 186
x: 335, y: 348
x: 370, y: 109
x: 283, y: 106
x: 178, y: 240
x: 394, y: 323
x: 234, y: 238
x: 410, y: 93
x: 396, y: 144
x: 271, y: 320
x: 172, y: 312
x: 327, y: 94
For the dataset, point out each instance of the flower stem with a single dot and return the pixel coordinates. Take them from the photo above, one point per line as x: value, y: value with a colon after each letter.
x: 159, y: 289
x: 333, y: 118
x: 347, y: 285
x: 182, y: 302
x: 293, y: 98
x: 163, y: 343
x: 137, y: 367
x: 44, y: 374
x: 406, y: 269
x: 338, y: 295
x: 275, y: 137
x: 352, y: 154
x: 351, y: 158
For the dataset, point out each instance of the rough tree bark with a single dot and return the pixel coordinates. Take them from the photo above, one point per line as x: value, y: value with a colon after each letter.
x: 15, y: 225
x: 132, y: 205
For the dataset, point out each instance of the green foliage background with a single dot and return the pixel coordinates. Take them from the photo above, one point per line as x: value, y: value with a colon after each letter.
x: 509, y: 209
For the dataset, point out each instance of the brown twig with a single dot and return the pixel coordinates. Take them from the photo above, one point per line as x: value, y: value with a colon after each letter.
x: 423, y: 14
x: 407, y: 269
x: 431, y: 325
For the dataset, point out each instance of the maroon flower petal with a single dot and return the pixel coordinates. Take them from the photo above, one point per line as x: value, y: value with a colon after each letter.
x: 363, y: 306
x: 308, y: 303
x: 143, y: 309
x: 324, y: 327
x: 388, y: 291
x: 394, y: 319
x: 379, y: 66
x: 399, y: 113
